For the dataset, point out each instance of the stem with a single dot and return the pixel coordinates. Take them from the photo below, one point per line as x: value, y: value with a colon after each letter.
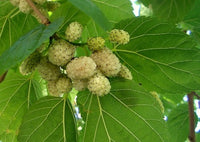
x: 191, y: 116
x: 44, y: 19
x: 3, y: 76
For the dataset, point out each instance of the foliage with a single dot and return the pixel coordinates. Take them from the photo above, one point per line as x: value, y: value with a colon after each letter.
x: 163, y: 59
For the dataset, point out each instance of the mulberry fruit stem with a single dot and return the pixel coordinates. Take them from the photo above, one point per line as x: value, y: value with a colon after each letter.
x: 44, y: 20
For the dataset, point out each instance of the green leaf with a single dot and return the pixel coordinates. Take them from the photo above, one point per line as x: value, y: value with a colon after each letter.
x: 161, y: 58
x: 172, y: 10
x: 70, y: 14
x: 27, y: 44
x: 178, y: 123
x: 13, y: 24
x: 17, y: 93
x: 126, y: 114
x: 115, y: 11
x: 193, y: 17
x: 90, y: 9
x: 50, y: 119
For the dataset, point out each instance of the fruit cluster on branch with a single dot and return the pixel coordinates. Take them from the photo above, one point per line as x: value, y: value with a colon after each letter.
x: 58, y: 64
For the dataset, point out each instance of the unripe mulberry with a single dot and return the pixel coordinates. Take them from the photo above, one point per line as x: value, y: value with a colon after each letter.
x: 80, y: 85
x: 99, y: 85
x: 96, y: 43
x: 81, y: 68
x: 24, y: 7
x: 125, y: 73
x: 40, y: 1
x: 64, y: 85
x: 30, y: 63
x: 73, y: 31
x: 156, y: 96
x: 52, y: 89
x: 119, y: 36
x: 61, y: 52
x: 15, y: 2
x: 107, y: 62
x: 47, y: 70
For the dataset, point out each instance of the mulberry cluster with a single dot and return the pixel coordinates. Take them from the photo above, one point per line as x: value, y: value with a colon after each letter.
x: 63, y: 70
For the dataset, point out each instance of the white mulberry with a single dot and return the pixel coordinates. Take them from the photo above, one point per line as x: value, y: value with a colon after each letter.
x: 99, y: 85
x: 73, y: 31
x: 156, y: 96
x: 119, y: 36
x: 30, y: 63
x: 107, y: 62
x: 52, y: 89
x: 81, y: 68
x: 47, y: 70
x: 64, y: 85
x: 80, y: 85
x: 24, y: 7
x: 61, y: 52
x: 96, y: 43
x: 125, y: 73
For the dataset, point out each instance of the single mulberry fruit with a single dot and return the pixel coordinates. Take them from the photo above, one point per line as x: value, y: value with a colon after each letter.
x: 64, y: 85
x: 15, y: 2
x: 80, y: 85
x: 107, y: 62
x: 47, y: 70
x: 73, y: 31
x: 24, y: 7
x: 96, y: 43
x: 125, y: 73
x: 30, y: 63
x: 81, y: 68
x: 119, y: 36
x: 99, y: 85
x: 156, y: 96
x: 61, y: 52
x: 52, y: 89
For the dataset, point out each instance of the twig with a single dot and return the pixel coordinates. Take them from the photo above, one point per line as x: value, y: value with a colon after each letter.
x: 3, y: 76
x: 196, y: 95
x: 191, y: 116
x: 44, y: 19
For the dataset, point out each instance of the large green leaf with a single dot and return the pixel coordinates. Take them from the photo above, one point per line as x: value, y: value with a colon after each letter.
x: 51, y: 119
x: 17, y: 93
x: 13, y: 24
x: 161, y: 58
x: 126, y: 114
x: 27, y: 44
x: 173, y: 10
x: 89, y: 8
x: 178, y: 123
x: 115, y: 11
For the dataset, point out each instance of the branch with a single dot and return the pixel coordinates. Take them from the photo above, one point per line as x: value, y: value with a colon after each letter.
x: 44, y: 19
x: 3, y: 76
x: 191, y: 116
